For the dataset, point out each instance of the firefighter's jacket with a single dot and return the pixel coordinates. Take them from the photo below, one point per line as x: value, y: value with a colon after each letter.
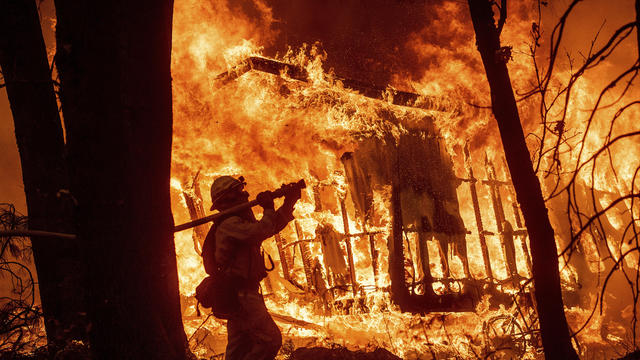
x: 238, y: 240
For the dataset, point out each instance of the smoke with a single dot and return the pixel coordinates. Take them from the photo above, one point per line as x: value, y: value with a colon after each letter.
x: 365, y: 40
x: 372, y: 41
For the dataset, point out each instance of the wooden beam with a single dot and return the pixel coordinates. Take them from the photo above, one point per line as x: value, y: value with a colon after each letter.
x: 386, y: 93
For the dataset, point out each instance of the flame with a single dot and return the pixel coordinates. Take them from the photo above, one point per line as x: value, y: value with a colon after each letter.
x: 275, y: 128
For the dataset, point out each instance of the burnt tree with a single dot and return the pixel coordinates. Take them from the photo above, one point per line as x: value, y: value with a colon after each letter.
x: 38, y: 130
x: 556, y: 339
x: 113, y: 59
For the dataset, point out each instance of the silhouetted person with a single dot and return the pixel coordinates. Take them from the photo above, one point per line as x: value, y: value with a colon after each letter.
x: 251, y: 332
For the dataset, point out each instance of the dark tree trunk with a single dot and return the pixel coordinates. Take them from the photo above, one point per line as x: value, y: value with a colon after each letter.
x: 114, y: 63
x: 553, y: 325
x: 638, y: 26
x: 25, y: 67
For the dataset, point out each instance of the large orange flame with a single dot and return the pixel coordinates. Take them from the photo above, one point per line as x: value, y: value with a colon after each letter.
x: 273, y: 129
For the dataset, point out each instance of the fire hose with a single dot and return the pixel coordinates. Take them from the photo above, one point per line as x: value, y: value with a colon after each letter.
x: 282, y: 191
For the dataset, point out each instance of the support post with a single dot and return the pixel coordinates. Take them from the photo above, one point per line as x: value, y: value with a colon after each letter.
x: 424, y: 235
x: 506, y: 240
x: 305, y: 255
x: 476, y: 210
x: 352, y: 270
x: 193, y: 199
x: 516, y: 214
x: 374, y: 258
x: 284, y: 259
x: 316, y: 198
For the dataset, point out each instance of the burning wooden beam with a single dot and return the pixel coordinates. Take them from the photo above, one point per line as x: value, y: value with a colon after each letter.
x: 359, y: 186
x: 395, y: 97
x: 194, y: 201
x: 506, y: 237
x: 424, y: 235
x: 521, y: 232
x: 352, y: 270
x: 374, y: 257
x: 317, y: 201
x: 284, y: 259
x: 476, y: 209
x: 362, y: 196
x: 293, y: 321
x: 305, y: 255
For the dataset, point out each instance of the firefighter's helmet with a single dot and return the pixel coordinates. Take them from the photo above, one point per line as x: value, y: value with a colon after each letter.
x: 223, y: 185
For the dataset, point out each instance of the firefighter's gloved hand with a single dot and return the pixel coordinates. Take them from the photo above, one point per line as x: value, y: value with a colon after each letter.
x: 265, y: 199
x: 292, y: 194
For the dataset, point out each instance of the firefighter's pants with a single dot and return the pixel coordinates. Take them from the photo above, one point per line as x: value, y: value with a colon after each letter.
x: 252, y: 334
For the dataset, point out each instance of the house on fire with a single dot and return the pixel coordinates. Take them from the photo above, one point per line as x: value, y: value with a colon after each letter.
x: 424, y: 208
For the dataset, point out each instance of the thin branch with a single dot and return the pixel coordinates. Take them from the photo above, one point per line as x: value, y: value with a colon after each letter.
x: 616, y: 265
x: 37, y: 233
x: 597, y: 215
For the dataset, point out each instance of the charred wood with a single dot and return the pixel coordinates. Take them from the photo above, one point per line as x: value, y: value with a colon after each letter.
x: 505, y: 230
x: 284, y: 258
x: 316, y: 198
x: 352, y: 270
x: 516, y: 213
x: 506, y: 238
x: 423, y: 261
x: 374, y: 257
x: 193, y: 199
x: 359, y: 186
x: 478, y: 215
x: 305, y: 255
x: 396, y: 97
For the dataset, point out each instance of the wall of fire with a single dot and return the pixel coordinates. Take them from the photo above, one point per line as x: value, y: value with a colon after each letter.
x: 435, y: 216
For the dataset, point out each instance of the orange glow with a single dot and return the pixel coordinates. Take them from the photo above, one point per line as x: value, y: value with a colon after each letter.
x: 273, y: 129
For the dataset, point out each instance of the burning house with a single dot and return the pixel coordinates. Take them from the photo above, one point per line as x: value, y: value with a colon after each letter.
x: 409, y: 239
x: 409, y: 236
x: 385, y: 228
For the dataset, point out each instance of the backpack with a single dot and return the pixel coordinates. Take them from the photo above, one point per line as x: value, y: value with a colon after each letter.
x: 218, y: 291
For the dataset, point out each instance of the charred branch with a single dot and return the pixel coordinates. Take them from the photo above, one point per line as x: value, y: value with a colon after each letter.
x: 37, y: 233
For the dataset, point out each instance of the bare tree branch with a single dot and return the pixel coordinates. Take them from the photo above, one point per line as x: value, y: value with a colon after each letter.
x: 37, y: 233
